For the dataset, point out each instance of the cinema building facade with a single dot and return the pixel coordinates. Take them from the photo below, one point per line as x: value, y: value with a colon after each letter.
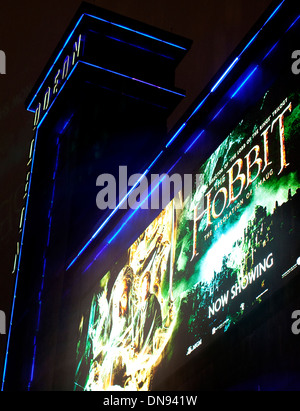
x: 198, y: 291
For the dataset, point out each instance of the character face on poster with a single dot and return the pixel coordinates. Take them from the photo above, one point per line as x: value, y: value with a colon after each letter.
x: 199, y: 268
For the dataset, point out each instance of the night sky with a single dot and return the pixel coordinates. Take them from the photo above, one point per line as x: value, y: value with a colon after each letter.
x: 29, y: 32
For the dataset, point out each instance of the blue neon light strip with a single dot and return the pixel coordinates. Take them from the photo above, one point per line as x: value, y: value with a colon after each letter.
x: 267, y: 21
x: 244, y: 82
x: 250, y: 42
x: 139, y: 47
x: 198, y: 107
x: 219, y: 112
x: 224, y: 75
x: 99, y: 253
x: 137, y: 32
x: 131, y: 78
x: 273, y: 14
x: 294, y: 22
x: 155, y: 160
x: 270, y: 51
x: 175, y: 135
x: 194, y: 141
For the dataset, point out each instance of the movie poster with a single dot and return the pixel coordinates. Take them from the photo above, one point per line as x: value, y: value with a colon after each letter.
x: 203, y: 264
x: 131, y: 318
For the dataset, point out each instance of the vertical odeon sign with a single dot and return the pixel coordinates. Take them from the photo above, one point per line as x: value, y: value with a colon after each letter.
x: 48, y: 91
x: 52, y: 88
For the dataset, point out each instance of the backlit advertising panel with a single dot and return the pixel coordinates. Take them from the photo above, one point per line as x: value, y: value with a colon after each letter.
x: 205, y: 261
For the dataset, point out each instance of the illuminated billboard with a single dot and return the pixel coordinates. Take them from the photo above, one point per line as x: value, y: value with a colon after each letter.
x: 205, y: 261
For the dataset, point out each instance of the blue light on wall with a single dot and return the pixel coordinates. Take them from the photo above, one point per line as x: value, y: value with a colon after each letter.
x: 175, y: 135
x: 131, y: 78
x: 194, y: 142
x: 140, y: 47
x: 244, y: 82
x: 224, y: 75
x: 137, y: 32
